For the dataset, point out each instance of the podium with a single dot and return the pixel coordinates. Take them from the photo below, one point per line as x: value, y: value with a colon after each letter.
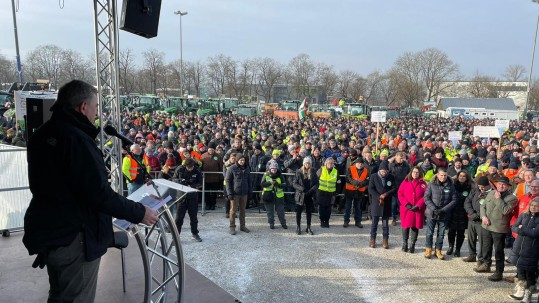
x: 159, y: 245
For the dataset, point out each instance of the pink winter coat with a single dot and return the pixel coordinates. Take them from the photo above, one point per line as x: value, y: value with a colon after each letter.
x: 412, y: 192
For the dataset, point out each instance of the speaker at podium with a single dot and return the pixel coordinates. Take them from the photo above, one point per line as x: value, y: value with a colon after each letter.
x: 38, y: 111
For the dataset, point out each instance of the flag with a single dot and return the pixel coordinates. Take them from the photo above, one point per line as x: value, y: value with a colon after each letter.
x: 302, y: 111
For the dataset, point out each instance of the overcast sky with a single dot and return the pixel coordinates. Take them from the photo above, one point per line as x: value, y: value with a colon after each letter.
x: 361, y: 35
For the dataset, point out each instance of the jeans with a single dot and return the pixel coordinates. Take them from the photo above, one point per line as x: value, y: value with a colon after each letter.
x: 189, y: 205
x: 385, y: 227
x: 71, y: 277
x: 276, y: 206
x: 353, y: 198
x: 490, y: 239
x: 431, y: 225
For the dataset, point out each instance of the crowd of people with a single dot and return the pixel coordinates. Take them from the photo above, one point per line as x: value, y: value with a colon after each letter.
x: 403, y: 170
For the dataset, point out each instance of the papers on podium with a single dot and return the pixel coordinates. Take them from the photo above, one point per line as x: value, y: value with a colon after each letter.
x: 151, y: 201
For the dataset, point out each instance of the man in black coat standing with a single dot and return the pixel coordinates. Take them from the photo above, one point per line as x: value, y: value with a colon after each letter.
x: 381, y: 191
x: 69, y: 221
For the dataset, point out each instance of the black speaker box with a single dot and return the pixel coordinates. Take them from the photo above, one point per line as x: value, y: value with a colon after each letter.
x: 38, y: 111
x: 141, y: 17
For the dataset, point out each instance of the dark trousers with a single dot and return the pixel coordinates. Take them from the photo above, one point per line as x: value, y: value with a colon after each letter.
x: 474, y: 235
x: 457, y: 234
x: 406, y: 234
x: 394, y: 207
x: 211, y: 197
x: 493, y: 240
x: 385, y: 227
x: 309, y: 208
x: 189, y: 205
x: 71, y: 278
x: 353, y: 199
x: 324, y: 213
x: 530, y: 276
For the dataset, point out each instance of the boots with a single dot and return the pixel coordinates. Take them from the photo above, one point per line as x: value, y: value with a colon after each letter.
x: 449, y: 251
x: 404, y: 246
x: 470, y: 258
x: 457, y: 252
x: 428, y: 252
x: 412, y: 247
x: 519, y: 291
x: 309, y: 230
x: 232, y: 230
x: 439, y: 254
x: 298, y: 230
x: 372, y: 243
x: 527, y: 296
x: 496, y: 276
x: 385, y: 243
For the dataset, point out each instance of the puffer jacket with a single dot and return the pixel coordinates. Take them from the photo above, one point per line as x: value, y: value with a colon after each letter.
x: 299, y: 186
x: 440, y: 196
x: 524, y: 253
x: 498, y: 211
x: 238, y: 181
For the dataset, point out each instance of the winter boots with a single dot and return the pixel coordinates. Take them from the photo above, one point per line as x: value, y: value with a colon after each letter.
x: 298, y: 230
x: 428, y: 252
x: 412, y: 247
x: 439, y: 254
x: 482, y: 267
x: 470, y: 258
x: 449, y: 252
x: 404, y: 246
x: 309, y: 230
x: 372, y: 243
x: 385, y: 243
x: 496, y: 276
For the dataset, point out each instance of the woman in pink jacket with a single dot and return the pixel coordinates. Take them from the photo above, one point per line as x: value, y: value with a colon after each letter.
x: 412, y: 207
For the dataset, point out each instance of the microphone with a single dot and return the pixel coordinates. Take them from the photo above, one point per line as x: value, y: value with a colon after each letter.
x: 111, y: 131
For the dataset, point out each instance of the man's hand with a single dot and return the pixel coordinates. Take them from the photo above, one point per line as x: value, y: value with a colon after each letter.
x: 382, y: 196
x: 150, y: 217
x: 485, y: 221
x: 497, y: 195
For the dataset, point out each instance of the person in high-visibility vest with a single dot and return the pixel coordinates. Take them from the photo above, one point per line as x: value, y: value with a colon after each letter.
x: 357, y: 180
x: 132, y: 171
x: 273, y: 185
x: 327, y: 188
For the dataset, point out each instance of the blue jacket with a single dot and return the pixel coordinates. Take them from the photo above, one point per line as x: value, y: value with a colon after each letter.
x: 525, y: 252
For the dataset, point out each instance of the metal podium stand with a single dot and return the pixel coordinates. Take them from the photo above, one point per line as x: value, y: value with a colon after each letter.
x: 160, y: 246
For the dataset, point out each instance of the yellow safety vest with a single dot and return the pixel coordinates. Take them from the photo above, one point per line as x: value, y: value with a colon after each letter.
x: 278, y: 190
x: 328, y: 180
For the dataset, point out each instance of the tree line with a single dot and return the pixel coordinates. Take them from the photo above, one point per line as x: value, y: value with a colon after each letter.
x: 413, y: 78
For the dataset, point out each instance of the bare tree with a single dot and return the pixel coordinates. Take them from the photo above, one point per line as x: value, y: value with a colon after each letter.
x: 75, y: 66
x: 346, y: 81
x: 358, y: 88
x: 270, y: 72
x: 8, y: 70
x: 219, y: 74
x: 388, y: 89
x: 515, y: 73
x: 127, y: 71
x: 481, y: 86
x: 533, y: 103
x: 373, y: 86
x: 407, y: 75
x: 154, y: 65
x: 302, y: 70
x: 438, y: 71
x: 45, y: 63
x: 326, y: 78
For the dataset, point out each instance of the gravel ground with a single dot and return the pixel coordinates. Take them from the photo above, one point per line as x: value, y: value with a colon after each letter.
x: 334, y: 265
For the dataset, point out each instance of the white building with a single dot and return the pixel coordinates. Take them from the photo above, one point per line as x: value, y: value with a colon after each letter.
x: 478, y: 108
x: 501, y: 89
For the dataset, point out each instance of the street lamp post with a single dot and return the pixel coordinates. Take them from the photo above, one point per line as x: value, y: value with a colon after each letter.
x: 19, y: 66
x: 525, y: 114
x: 181, y: 14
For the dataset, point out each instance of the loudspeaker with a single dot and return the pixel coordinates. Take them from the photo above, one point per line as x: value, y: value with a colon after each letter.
x: 141, y: 17
x: 38, y: 111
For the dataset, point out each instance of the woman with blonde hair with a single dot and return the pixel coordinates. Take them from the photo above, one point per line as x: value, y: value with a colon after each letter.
x: 305, y: 184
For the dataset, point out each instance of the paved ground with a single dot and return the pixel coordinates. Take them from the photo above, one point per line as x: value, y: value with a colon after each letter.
x: 334, y: 265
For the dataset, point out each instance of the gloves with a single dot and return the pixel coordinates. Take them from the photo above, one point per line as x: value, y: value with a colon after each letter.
x: 436, y: 213
x: 441, y: 212
x: 415, y: 208
x: 409, y: 206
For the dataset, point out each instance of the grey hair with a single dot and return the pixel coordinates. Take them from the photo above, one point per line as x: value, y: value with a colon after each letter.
x: 75, y: 92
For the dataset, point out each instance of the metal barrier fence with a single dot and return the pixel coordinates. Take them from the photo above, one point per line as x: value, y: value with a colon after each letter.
x: 14, y: 188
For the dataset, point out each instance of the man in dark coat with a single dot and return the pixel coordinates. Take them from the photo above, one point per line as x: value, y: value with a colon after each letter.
x: 472, y: 206
x: 238, y: 187
x: 69, y: 221
x: 257, y: 163
x: 440, y: 199
x: 190, y: 175
x: 399, y: 169
x: 381, y: 191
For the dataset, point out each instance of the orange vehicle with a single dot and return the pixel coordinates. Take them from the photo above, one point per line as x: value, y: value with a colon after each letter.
x: 286, y: 114
x: 269, y: 108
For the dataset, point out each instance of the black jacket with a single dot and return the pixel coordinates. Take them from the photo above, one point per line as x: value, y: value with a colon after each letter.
x: 472, y: 204
x: 459, y: 217
x: 526, y: 247
x: 442, y: 197
x: 376, y: 189
x: 70, y: 188
x: 238, y: 181
x: 300, y: 186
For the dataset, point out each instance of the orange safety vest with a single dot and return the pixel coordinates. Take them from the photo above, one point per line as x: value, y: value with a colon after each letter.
x: 356, y: 176
x: 133, y: 169
x: 520, y: 190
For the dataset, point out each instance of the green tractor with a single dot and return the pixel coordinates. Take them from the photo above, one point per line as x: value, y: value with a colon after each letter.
x: 356, y: 110
x: 245, y: 110
x: 147, y: 103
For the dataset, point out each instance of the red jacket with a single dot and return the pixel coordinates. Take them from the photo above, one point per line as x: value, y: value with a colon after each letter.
x: 521, y: 208
x: 412, y: 192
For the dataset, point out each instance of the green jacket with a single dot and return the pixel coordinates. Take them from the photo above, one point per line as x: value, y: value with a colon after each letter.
x: 498, y: 211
